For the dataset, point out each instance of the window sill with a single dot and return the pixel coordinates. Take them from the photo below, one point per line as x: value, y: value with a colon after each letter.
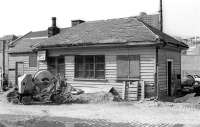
x: 128, y: 79
x: 95, y: 80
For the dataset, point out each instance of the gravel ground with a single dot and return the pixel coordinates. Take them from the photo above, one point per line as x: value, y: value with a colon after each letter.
x: 30, y: 121
x: 112, y: 114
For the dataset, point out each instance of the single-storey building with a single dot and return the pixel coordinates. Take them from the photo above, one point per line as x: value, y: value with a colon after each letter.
x: 106, y: 52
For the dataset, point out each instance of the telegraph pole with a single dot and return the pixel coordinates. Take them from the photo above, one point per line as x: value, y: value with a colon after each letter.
x: 4, y: 46
x: 161, y: 16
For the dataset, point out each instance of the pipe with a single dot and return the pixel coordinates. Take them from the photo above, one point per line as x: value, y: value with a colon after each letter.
x: 156, y: 74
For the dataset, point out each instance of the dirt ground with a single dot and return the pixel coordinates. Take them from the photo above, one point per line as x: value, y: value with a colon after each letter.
x: 147, y: 113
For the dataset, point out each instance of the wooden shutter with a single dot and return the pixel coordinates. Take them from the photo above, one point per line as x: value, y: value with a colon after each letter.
x: 134, y: 66
x: 122, y: 66
x: 33, y: 60
x: 128, y: 66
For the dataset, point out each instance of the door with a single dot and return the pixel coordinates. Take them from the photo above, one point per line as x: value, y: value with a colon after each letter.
x: 56, y: 65
x: 19, y: 67
x: 169, y: 76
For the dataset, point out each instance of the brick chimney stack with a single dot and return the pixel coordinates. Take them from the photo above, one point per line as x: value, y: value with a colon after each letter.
x: 53, y: 30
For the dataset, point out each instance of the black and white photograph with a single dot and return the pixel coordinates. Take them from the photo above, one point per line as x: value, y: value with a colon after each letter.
x: 99, y: 63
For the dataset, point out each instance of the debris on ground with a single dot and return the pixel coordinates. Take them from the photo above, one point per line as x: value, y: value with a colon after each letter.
x: 44, y: 88
x: 189, y: 98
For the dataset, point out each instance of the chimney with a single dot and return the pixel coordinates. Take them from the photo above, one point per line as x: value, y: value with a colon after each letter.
x: 143, y: 14
x: 76, y: 22
x: 53, y: 30
x: 54, y: 21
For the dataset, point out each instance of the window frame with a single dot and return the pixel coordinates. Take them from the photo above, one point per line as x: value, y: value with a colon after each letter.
x: 89, y: 67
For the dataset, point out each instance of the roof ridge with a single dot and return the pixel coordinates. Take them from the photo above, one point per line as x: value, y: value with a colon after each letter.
x: 13, y: 42
x: 147, y: 26
x: 164, y: 34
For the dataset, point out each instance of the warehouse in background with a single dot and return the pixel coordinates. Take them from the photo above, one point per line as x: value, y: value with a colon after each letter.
x: 5, y: 41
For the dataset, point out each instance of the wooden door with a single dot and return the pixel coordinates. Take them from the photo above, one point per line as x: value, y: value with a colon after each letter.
x: 19, y: 67
x: 56, y: 65
x: 169, y: 76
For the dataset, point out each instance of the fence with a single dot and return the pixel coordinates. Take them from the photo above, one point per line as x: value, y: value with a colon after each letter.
x: 133, y: 90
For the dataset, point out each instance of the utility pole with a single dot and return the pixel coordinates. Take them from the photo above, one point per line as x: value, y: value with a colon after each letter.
x: 4, y: 46
x: 161, y: 15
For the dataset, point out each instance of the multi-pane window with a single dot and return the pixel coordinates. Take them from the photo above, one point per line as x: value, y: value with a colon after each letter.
x: 32, y: 60
x: 90, y: 67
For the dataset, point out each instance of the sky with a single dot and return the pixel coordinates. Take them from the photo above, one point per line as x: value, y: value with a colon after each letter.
x: 181, y: 17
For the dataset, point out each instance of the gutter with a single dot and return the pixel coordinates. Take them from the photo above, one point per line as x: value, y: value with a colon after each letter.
x: 98, y: 45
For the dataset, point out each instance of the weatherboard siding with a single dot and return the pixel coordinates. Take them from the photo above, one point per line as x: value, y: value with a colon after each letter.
x: 147, y: 65
x: 164, y: 55
x: 42, y: 65
x: 69, y: 67
x: 13, y: 58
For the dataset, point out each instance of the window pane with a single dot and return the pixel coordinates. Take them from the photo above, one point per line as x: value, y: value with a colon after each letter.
x: 99, y: 66
x: 61, y: 60
x: 78, y: 59
x: 100, y: 59
x: 100, y: 74
x: 89, y: 66
x: 89, y: 74
x: 89, y: 59
x: 85, y: 66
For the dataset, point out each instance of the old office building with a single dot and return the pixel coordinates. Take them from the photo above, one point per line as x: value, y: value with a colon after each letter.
x: 105, y: 52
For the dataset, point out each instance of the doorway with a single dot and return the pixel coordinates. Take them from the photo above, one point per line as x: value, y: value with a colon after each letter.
x: 19, y: 71
x: 169, y: 77
x: 56, y: 65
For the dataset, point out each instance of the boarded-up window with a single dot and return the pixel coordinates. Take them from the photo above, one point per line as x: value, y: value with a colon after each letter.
x: 128, y: 66
x: 90, y: 67
x: 33, y: 60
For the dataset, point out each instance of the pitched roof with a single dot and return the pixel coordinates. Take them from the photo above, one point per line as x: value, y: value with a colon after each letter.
x: 25, y: 45
x: 28, y: 42
x: 9, y: 37
x: 116, y: 31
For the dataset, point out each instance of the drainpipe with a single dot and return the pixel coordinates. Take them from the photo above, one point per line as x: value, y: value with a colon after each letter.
x: 156, y: 74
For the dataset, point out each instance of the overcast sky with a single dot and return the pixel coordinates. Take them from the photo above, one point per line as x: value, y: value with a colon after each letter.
x: 181, y: 17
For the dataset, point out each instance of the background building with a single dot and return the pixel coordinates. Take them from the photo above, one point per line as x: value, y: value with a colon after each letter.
x: 191, y: 56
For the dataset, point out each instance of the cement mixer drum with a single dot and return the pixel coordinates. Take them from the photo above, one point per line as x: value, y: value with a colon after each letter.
x: 42, y: 76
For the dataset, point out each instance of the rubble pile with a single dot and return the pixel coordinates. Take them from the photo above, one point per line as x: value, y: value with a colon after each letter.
x: 193, y: 98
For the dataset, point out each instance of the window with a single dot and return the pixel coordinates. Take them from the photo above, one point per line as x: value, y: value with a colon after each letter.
x: 33, y: 60
x: 90, y: 67
x: 128, y: 66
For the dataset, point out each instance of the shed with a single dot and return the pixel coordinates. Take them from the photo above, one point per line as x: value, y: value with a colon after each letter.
x: 96, y: 54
